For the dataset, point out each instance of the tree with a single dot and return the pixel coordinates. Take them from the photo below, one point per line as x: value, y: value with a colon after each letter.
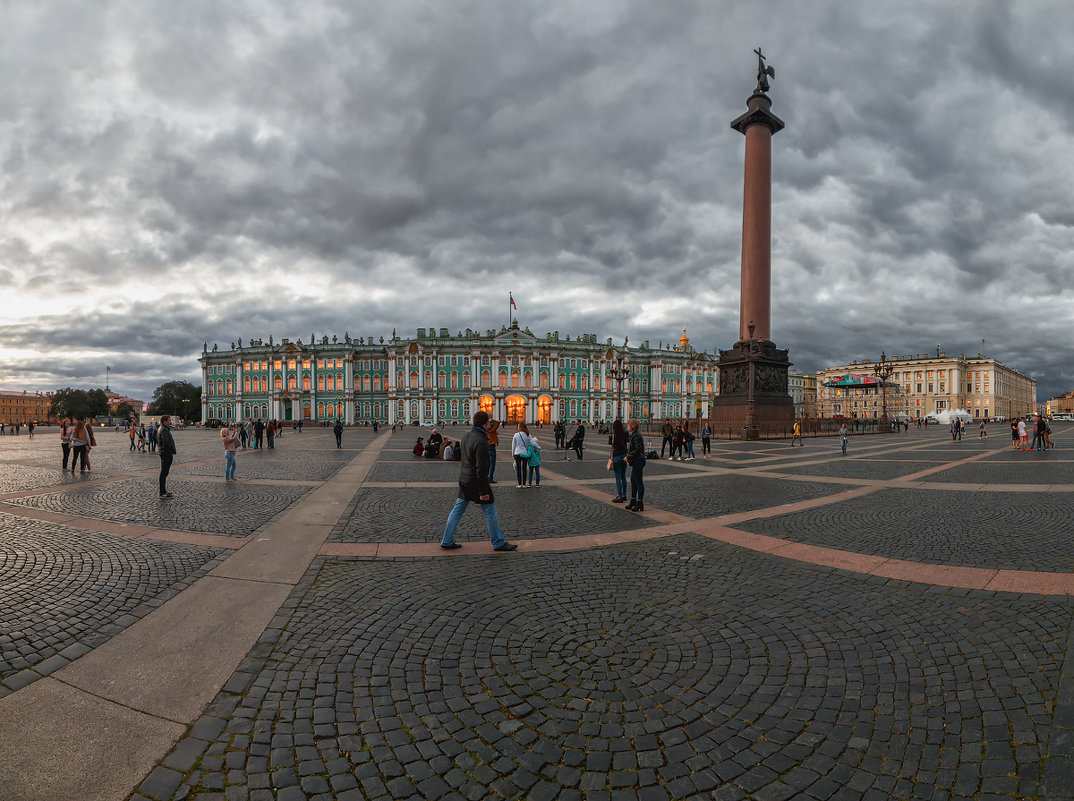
x: 72, y: 403
x: 98, y: 402
x: 126, y: 412
x: 180, y: 398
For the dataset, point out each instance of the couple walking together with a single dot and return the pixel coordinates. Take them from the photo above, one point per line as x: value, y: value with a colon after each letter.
x: 628, y: 448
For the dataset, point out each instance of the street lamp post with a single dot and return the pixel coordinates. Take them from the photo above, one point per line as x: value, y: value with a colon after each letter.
x: 883, y: 371
x: 618, y: 374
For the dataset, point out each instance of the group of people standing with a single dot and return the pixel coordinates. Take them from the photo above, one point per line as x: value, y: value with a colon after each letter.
x: 76, y: 439
x: 1042, y: 434
x: 628, y: 449
x: 680, y: 439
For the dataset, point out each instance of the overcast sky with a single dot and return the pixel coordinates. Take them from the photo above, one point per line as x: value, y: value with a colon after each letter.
x: 173, y: 173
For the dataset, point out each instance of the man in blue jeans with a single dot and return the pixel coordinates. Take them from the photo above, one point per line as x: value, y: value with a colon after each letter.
x: 474, y: 487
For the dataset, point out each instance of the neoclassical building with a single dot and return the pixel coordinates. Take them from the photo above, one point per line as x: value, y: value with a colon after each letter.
x: 434, y: 377
x: 923, y: 384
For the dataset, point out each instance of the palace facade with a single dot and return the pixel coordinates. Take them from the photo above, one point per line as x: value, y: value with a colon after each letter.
x: 922, y: 385
x: 434, y: 377
x: 24, y: 407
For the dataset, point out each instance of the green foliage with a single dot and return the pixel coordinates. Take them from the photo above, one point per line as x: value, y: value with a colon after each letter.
x: 74, y: 403
x: 126, y: 412
x: 179, y: 398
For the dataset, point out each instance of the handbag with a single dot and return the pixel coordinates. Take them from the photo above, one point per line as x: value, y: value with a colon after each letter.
x: 609, y: 462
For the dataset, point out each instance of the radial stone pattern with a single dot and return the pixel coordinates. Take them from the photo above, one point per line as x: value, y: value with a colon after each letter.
x: 671, y: 669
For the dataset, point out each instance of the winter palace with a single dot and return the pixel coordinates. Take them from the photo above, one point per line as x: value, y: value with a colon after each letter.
x: 435, y: 377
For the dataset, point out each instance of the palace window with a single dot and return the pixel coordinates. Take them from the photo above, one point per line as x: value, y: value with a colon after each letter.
x: 320, y: 388
x: 291, y: 382
x: 306, y: 383
x: 246, y: 385
x: 278, y: 383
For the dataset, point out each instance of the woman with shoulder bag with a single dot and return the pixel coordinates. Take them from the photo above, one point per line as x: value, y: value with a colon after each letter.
x: 635, y: 456
x: 617, y: 462
x: 65, y: 440
x: 520, y: 449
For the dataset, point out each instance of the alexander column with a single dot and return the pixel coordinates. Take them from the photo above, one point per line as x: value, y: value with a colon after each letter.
x: 753, y: 374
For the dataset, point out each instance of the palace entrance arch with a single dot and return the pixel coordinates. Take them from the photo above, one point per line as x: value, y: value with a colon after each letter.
x: 516, y: 409
x: 544, y: 410
x: 487, y: 405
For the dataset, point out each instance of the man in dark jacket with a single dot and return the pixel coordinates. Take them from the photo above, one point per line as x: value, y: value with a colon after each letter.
x: 474, y: 487
x: 338, y: 431
x: 166, y: 448
x: 578, y: 440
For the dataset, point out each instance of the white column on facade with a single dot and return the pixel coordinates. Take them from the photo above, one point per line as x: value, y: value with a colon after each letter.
x: 238, y: 391
x: 204, y: 391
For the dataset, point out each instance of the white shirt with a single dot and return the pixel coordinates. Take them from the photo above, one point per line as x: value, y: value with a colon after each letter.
x: 520, y: 443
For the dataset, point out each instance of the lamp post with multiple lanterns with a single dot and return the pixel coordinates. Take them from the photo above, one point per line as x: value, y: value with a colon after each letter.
x: 883, y: 370
x: 618, y: 374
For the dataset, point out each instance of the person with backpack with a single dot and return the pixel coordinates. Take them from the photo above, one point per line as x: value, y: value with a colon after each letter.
x: 535, y: 463
x: 520, y: 450
x: 337, y: 429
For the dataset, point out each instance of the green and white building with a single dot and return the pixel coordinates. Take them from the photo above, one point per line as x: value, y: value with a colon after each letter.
x: 435, y: 377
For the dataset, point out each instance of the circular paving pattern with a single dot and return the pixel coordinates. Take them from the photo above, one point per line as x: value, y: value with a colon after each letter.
x: 66, y: 591
x: 671, y: 669
x: 234, y: 509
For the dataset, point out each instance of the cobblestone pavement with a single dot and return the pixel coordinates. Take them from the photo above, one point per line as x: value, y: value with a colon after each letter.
x: 254, y: 465
x: 66, y: 591
x: 677, y: 668
x: 1012, y: 530
x: 418, y: 514
x: 670, y: 668
x: 1042, y: 469
x: 858, y: 467
x: 235, y: 509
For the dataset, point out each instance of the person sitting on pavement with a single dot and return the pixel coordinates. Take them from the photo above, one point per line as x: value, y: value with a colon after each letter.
x: 419, y: 448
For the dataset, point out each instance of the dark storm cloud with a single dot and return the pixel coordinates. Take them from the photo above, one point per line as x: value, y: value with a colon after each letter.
x: 326, y: 168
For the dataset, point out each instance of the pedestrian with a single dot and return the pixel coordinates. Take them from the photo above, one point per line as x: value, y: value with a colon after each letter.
x: 80, y: 440
x: 706, y: 440
x: 1038, y: 433
x: 981, y: 432
x: 474, y: 487
x: 635, y: 457
x: 617, y: 460
x: 259, y: 434
x: 535, y: 463
x: 30, y: 429
x: 242, y: 436
x: 65, y: 440
x: 133, y: 434
x: 337, y: 429
x: 843, y: 437
x: 578, y: 440
x: 271, y: 430
x: 796, y: 436
x: 493, y: 441
x: 520, y: 450
x: 231, y: 441
x: 677, y: 440
x: 667, y: 433
x: 166, y: 448
x: 1014, y: 434
x: 1023, y: 437
x: 1048, y: 435
x: 954, y: 429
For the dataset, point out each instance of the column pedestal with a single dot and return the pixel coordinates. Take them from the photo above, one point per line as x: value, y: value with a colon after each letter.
x: 753, y: 395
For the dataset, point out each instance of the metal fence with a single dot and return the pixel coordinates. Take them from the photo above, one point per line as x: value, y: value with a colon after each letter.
x: 812, y: 427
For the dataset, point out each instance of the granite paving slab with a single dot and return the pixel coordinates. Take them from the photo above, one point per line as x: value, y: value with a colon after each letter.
x: 63, y: 591
x: 1017, y: 531
x: 674, y: 669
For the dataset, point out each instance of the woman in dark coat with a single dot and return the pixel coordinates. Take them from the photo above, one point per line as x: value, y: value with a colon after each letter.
x: 635, y: 456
